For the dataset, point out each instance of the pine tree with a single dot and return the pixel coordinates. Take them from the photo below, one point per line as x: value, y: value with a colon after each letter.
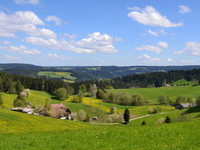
x: 144, y: 123
x: 126, y: 115
x: 167, y: 120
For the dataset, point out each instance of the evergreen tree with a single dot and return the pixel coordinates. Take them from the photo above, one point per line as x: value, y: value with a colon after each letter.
x: 143, y: 123
x: 19, y: 87
x: 167, y: 120
x: 126, y: 115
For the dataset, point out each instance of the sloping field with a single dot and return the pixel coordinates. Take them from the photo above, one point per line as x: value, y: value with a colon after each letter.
x: 151, y: 94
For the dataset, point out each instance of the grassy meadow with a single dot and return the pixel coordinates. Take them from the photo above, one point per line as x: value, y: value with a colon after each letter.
x: 66, y: 76
x: 23, y: 131
x: 151, y: 94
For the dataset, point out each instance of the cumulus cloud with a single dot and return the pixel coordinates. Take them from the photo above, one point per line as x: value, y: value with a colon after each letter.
x: 184, y: 9
x: 192, y: 48
x: 169, y: 59
x: 23, y: 22
x: 148, y: 59
x: 33, y: 2
x: 54, y: 57
x: 154, y: 33
x: 20, y: 49
x: 150, y: 16
x: 157, y: 49
x: 162, y: 44
x: 55, y: 19
x: 95, y: 42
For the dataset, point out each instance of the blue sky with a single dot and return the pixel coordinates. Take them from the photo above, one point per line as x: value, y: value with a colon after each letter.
x: 100, y: 32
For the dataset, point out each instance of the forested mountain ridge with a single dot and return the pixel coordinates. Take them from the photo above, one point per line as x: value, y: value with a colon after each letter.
x: 82, y: 73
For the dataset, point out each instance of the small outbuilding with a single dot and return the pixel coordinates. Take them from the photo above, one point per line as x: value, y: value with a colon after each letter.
x: 184, y: 105
x: 59, y: 110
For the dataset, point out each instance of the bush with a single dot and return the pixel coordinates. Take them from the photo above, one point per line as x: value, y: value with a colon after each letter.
x: 160, y: 121
x: 113, y: 110
x: 19, y: 103
x: 1, y: 101
x: 154, y: 110
x: 61, y: 93
x: 164, y: 99
x: 113, y: 118
x: 82, y: 116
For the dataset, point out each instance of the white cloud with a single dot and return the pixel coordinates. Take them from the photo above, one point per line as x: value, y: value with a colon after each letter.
x: 95, y: 42
x: 162, y: 44
x: 152, y: 48
x: 150, y: 16
x: 20, y: 49
x: 148, y: 59
x: 55, y: 19
x: 169, y: 59
x: 192, y: 48
x: 23, y: 22
x: 55, y: 57
x: 11, y: 57
x: 154, y: 33
x: 33, y: 2
x: 184, y: 9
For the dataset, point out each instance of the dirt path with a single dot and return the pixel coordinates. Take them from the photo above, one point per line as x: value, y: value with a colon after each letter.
x: 121, y: 123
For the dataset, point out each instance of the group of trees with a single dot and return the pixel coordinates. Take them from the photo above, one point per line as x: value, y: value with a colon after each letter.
x: 167, y: 100
x: 121, y: 99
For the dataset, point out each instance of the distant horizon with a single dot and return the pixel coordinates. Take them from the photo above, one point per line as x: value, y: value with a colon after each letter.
x: 97, y: 66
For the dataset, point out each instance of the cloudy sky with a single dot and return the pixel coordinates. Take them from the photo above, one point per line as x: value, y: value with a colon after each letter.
x: 100, y: 32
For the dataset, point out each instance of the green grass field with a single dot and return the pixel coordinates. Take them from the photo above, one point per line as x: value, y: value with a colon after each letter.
x: 151, y: 94
x: 22, y: 131
x: 62, y: 75
x: 184, y: 82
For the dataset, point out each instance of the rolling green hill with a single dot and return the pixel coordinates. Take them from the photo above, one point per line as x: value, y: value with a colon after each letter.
x: 22, y: 131
x: 151, y: 94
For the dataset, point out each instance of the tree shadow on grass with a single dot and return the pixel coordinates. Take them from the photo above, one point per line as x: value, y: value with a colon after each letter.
x: 192, y: 110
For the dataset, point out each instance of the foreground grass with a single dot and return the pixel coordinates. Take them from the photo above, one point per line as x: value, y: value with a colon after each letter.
x: 151, y: 94
x: 182, y: 135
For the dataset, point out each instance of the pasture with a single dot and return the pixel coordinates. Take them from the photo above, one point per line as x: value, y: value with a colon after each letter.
x: 151, y: 94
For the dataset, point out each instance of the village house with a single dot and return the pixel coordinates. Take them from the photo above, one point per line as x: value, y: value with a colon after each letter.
x: 60, y: 110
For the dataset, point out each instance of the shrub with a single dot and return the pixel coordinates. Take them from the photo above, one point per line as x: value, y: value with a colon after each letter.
x: 82, y: 116
x: 113, y: 110
x: 154, y: 110
x: 160, y: 121
x: 113, y: 118
x: 18, y: 103
x: 61, y: 93
x: 1, y: 101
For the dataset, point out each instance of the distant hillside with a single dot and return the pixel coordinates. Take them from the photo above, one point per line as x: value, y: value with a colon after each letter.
x: 82, y: 73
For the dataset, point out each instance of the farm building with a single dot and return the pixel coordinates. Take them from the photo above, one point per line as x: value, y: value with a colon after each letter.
x: 59, y: 110
x: 184, y: 105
